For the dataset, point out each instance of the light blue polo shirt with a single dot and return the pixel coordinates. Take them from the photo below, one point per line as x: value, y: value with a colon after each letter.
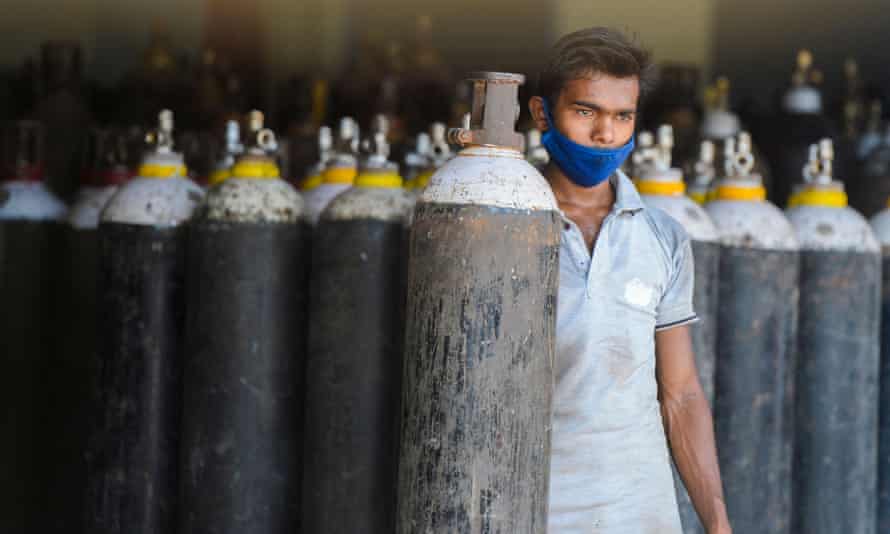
x: 610, y: 468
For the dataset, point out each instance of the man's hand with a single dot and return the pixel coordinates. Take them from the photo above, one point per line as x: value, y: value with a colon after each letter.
x: 689, y: 426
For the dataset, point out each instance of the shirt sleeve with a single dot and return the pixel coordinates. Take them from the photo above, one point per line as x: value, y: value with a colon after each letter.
x: 675, y: 307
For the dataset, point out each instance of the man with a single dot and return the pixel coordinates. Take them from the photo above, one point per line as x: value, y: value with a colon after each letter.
x: 625, y: 370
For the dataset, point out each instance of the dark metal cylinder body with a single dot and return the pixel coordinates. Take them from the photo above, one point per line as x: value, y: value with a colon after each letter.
x: 243, y: 383
x: 134, y: 450
x: 75, y: 379
x: 753, y: 408
x: 29, y: 325
x: 705, y: 301
x: 478, y: 372
x: 704, y: 343
x: 835, y: 471
x: 883, y: 503
x: 354, y: 370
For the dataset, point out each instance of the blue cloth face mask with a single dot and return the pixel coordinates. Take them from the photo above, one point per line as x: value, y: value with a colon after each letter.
x: 585, y: 166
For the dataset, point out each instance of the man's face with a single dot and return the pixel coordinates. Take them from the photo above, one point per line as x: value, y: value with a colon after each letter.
x: 596, y: 111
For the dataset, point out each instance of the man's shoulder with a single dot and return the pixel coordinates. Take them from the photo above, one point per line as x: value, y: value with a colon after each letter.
x: 667, y: 231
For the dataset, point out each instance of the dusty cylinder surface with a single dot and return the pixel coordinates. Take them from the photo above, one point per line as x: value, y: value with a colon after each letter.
x: 754, y: 375
x: 880, y: 223
x: 478, y: 370
x: 134, y: 455
x: 706, y: 255
x: 75, y: 378
x: 480, y: 341
x: 704, y: 343
x: 31, y: 240
x: 355, y: 362
x: 133, y: 452
x: 883, y: 503
x: 244, y: 357
x: 837, y: 385
x: 28, y: 325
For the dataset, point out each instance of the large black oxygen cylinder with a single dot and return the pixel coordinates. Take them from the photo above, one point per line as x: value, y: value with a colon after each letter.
x: 244, y: 358
x: 355, y: 354
x: 880, y: 224
x: 756, y: 332
x: 836, y: 439
x: 874, y: 187
x: 799, y: 123
x: 480, y: 340
x: 663, y: 189
x: 133, y: 451
x: 31, y: 225
x: 75, y: 379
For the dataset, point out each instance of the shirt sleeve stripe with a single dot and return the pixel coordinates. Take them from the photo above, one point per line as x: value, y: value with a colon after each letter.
x: 691, y: 319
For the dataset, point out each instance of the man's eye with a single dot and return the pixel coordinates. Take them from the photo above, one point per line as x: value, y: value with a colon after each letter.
x: 584, y: 112
x: 625, y: 117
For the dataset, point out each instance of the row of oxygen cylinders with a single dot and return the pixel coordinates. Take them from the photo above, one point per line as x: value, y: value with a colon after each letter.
x: 231, y: 362
x: 257, y: 373
x: 789, y: 347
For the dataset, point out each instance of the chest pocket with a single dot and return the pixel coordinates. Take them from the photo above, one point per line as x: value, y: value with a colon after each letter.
x: 635, y: 301
x: 638, y: 295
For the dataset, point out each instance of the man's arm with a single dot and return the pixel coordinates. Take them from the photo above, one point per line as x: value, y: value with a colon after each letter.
x: 689, y: 426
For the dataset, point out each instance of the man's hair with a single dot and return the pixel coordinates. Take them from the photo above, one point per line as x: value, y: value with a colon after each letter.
x: 592, y: 51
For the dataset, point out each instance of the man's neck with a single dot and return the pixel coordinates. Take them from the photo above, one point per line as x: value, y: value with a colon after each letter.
x: 573, y: 197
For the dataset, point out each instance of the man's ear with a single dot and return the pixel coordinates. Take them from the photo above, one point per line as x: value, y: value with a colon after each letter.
x: 536, y: 108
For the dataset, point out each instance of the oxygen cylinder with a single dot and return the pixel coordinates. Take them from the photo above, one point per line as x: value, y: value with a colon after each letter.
x: 872, y: 136
x: 662, y: 187
x: 222, y: 169
x: 244, y: 351
x: 440, y: 153
x: 480, y: 340
x: 875, y: 177
x: 418, y: 160
x: 800, y: 123
x: 756, y: 332
x: 339, y: 173
x: 77, y: 366
x: 355, y: 351
x: 134, y: 449
x: 835, y: 469
x: 699, y: 188
x: 535, y: 153
x: 316, y: 172
x: 880, y: 224
x: 721, y: 123
x: 31, y: 231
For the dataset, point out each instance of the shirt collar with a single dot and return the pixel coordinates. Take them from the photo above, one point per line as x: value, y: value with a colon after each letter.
x: 627, y: 200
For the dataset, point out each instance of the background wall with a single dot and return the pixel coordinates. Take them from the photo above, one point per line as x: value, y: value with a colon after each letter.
x: 113, y: 33
x: 752, y: 41
x: 319, y: 34
x: 676, y: 30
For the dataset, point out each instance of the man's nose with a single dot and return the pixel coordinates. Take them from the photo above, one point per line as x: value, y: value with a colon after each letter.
x: 603, y: 131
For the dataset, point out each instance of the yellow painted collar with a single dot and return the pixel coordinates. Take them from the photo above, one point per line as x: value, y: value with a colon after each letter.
x: 818, y: 196
x: 255, y: 168
x: 378, y: 179
x: 660, y: 188
x: 162, y: 170
x: 339, y: 175
x: 747, y: 193
x: 311, y: 182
